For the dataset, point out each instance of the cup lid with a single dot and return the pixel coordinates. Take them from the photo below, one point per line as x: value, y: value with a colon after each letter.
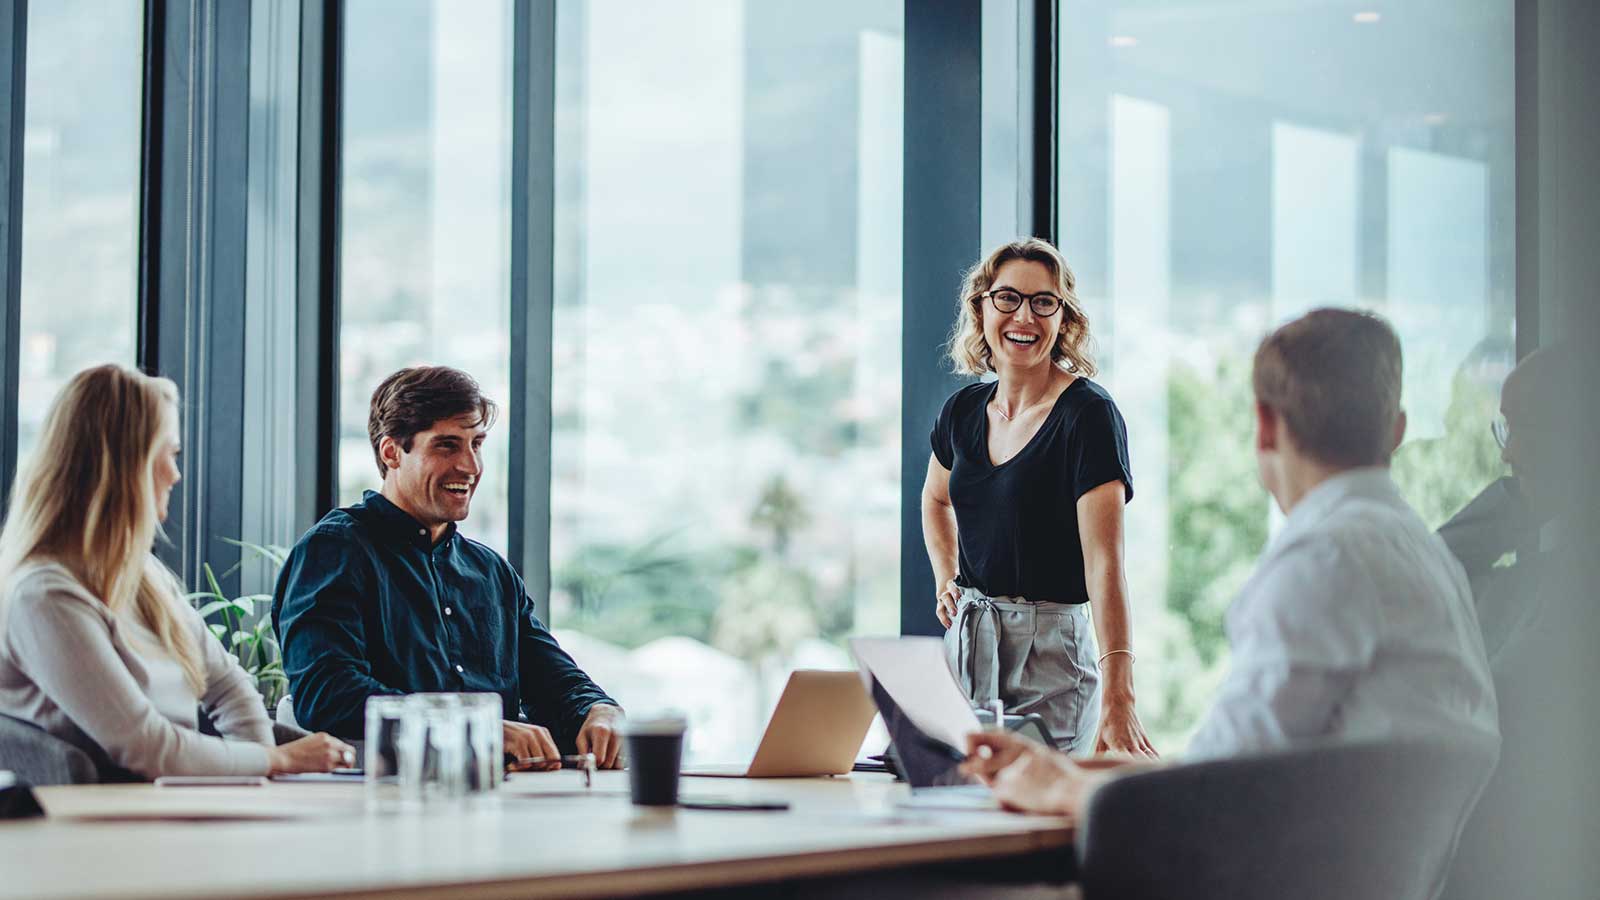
x: 665, y: 724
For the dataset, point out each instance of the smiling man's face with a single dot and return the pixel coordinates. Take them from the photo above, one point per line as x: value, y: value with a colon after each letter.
x: 434, y: 480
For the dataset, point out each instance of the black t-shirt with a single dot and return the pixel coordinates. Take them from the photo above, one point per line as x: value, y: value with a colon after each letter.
x: 1018, y: 522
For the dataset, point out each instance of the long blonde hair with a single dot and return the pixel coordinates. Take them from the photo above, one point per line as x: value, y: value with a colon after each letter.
x: 85, y: 498
x: 970, y: 354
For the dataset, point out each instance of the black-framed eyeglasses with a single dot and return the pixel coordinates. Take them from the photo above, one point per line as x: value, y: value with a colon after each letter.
x: 1044, y: 304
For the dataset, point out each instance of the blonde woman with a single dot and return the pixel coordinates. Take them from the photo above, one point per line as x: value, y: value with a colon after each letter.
x: 96, y: 642
x: 1022, y: 509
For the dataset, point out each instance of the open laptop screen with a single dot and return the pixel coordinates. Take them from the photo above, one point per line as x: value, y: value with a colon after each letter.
x: 925, y: 761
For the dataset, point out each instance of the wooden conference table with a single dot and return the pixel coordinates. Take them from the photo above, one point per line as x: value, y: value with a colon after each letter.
x: 545, y: 836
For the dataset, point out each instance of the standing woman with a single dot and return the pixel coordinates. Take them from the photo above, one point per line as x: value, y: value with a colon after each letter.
x: 1022, y: 509
x: 97, y: 645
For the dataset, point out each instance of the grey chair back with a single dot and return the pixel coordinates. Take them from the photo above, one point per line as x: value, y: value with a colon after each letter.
x: 38, y: 757
x: 1334, y: 822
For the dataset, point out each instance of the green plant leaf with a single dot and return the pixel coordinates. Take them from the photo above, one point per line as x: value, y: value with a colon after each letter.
x: 221, y: 631
x: 272, y: 553
x: 217, y: 605
x: 247, y: 602
x: 211, y: 579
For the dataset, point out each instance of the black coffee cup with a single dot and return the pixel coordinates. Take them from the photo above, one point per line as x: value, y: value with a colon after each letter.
x: 655, y: 754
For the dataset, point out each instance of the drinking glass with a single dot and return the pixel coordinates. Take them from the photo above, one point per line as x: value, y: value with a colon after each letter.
x: 485, y: 742
x: 433, y: 749
x: 381, y: 750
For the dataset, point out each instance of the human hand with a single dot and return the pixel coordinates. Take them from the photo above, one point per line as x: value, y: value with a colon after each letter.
x: 1120, y: 731
x: 320, y: 752
x: 601, y: 735
x: 945, y: 605
x: 524, y: 741
x: 1025, y: 775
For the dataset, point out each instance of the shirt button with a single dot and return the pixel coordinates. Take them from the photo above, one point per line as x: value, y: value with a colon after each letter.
x: 422, y: 531
x: 459, y: 669
x: 447, y: 610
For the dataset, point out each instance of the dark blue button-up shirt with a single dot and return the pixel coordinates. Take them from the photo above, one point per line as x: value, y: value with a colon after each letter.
x: 367, y: 604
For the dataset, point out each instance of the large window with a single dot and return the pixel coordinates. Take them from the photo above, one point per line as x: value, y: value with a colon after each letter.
x: 80, y: 220
x: 1226, y: 166
x: 725, y: 495
x: 425, y: 225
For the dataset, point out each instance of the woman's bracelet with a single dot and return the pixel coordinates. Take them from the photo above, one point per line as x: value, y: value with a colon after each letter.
x: 1103, y: 656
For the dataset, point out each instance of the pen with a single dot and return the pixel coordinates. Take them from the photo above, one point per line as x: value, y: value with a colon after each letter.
x: 998, y: 708
x: 582, y: 761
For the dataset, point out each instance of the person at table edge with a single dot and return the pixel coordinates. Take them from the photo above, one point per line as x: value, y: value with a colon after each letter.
x: 386, y: 596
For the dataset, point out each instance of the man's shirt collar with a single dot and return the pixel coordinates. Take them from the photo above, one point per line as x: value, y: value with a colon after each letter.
x: 1369, y: 482
x: 402, y: 525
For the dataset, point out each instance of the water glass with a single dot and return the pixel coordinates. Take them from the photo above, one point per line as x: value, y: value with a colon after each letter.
x: 433, y: 749
x: 485, y: 742
x: 381, y: 749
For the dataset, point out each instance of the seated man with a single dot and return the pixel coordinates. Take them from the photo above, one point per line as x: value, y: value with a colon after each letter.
x: 386, y: 597
x: 1358, y: 622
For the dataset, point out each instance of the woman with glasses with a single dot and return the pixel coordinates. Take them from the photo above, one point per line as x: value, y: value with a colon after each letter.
x: 1022, y: 509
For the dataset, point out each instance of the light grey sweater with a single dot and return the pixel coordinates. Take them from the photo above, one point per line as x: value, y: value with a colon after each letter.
x: 75, y: 669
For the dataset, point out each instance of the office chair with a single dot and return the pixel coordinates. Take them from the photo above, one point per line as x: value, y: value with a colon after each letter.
x: 38, y: 757
x: 1323, y: 823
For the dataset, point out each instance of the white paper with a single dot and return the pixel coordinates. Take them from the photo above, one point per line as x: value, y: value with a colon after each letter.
x: 914, y: 672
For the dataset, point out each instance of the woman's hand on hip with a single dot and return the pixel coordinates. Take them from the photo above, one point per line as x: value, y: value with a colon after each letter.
x: 946, y: 604
x: 1120, y: 731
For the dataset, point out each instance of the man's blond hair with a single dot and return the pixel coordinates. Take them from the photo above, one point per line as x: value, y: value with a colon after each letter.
x: 1334, y: 376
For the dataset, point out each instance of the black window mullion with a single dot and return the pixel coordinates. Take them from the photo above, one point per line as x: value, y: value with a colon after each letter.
x: 153, y: 92
x: 13, y: 97
x: 942, y: 231
x: 533, y: 65
x: 192, y: 260
x: 1045, y: 76
x: 317, y: 315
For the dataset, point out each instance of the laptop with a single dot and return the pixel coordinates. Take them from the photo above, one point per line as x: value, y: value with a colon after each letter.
x: 817, y: 729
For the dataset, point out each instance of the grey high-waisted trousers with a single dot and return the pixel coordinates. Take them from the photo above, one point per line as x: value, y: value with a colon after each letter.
x: 1036, y: 657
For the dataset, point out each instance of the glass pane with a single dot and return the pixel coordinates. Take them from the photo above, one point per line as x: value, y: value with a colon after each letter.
x: 80, y: 197
x: 425, y: 227
x: 726, y: 443
x: 1227, y: 166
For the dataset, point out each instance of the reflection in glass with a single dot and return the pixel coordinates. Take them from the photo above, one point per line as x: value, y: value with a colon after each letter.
x: 1228, y: 165
x: 80, y: 195
x: 725, y: 494
x: 425, y: 223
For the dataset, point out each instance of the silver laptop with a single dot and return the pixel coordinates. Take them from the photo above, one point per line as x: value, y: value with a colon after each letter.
x: 817, y: 729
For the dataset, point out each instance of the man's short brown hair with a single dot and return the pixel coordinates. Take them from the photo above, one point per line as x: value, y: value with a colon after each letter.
x: 1334, y: 377
x: 411, y: 400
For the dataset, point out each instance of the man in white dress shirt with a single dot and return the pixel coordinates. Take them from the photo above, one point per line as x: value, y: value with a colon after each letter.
x: 1358, y: 623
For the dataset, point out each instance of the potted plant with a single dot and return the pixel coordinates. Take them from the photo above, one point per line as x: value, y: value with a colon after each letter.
x: 247, y: 636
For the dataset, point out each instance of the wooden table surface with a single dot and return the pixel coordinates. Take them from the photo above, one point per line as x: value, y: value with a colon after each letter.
x: 543, y: 836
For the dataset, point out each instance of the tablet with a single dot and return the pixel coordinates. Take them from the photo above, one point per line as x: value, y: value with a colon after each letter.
x: 717, y: 802
x: 211, y: 781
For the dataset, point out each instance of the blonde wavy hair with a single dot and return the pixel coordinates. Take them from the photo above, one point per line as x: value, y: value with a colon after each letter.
x: 970, y: 353
x: 85, y: 498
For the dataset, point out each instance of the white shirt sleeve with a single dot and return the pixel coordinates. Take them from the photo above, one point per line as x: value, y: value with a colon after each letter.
x: 1300, y: 633
x: 64, y: 645
x: 230, y: 699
